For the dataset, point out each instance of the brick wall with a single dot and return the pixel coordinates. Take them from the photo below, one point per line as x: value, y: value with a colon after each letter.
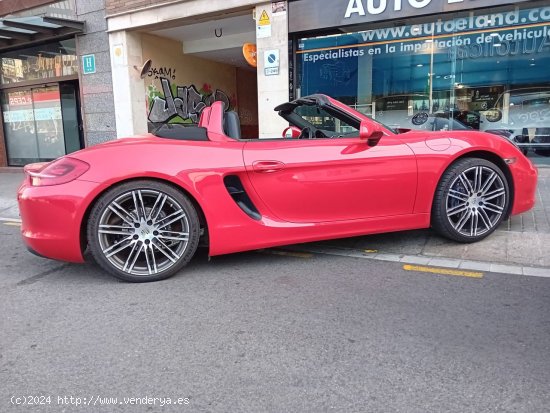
x: 13, y: 6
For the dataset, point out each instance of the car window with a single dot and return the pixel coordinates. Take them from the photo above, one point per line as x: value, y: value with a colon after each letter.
x: 326, y: 122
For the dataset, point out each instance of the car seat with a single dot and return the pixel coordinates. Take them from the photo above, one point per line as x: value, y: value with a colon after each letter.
x: 232, y: 125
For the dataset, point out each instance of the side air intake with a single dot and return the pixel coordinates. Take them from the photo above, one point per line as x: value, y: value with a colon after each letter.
x: 236, y: 190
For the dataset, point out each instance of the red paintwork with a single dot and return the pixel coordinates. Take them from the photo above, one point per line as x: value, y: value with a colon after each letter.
x: 305, y: 190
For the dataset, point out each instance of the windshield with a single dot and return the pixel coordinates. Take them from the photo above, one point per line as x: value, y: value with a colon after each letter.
x: 325, y: 121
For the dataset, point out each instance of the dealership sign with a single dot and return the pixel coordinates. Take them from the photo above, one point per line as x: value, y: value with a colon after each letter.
x: 306, y: 15
x: 380, y: 6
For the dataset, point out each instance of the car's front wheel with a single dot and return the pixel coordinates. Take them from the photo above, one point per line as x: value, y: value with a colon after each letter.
x: 143, y: 231
x: 471, y: 200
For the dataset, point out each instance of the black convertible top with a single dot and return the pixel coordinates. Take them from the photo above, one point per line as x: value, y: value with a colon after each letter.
x: 182, y: 133
x: 311, y: 100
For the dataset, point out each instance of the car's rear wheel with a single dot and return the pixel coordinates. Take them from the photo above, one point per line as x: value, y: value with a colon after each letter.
x: 143, y: 231
x: 471, y: 200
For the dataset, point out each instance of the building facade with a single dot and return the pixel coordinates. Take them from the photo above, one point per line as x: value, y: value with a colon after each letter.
x: 56, y: 82
x: 194, y: 55
x: 431, y: 64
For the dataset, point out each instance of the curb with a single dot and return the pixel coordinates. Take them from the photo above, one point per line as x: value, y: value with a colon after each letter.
x: 442, y: 262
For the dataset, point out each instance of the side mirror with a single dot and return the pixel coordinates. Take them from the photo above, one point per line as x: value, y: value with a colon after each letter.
x: 372, y: 136
x: 291, y: 132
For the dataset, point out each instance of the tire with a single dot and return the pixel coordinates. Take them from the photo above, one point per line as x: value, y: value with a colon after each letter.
x: 471, y: 200
x: 143, y: 231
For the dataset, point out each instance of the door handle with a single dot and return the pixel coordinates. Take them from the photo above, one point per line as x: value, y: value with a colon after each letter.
x: 267, y: 166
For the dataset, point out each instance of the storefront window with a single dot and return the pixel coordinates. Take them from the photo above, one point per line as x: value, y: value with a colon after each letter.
x: 486, y: 70
x: 33, y: 126
x: 39, y: 62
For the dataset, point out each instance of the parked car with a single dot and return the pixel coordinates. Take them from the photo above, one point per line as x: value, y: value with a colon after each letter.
x: 140, y: 205
x: 444, y: 120
x: 524, y: 116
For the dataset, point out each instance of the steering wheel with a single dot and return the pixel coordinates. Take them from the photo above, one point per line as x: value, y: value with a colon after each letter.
x: 306, y: 133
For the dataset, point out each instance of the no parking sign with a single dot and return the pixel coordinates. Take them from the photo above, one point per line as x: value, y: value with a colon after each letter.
x: 271, y: 62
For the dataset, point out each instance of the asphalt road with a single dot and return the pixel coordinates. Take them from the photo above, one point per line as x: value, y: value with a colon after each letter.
x: 257, y: 332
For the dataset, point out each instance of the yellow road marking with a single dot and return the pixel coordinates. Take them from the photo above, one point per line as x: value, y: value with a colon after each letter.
x: 13, y: 224
x: 443, y: 271
x: 370, y: 251
x: 287, y: 253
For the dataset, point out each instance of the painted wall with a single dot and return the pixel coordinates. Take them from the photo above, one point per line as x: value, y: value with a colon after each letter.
x: 179, y: 87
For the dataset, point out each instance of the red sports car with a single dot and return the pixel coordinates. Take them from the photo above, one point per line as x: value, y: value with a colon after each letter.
x: 141, y: 205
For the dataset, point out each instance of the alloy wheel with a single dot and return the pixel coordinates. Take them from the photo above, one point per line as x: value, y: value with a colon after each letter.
x: 143, y: 232
x: 476, y: 201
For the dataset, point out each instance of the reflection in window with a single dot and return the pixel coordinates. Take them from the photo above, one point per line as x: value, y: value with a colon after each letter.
x: 39, y: 62
x: 486, y: 71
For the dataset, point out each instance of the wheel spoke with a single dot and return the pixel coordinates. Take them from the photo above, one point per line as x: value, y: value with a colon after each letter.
x: 458, y: 195
x: 133, y: 256
x: 174, y: 236
x: 478, y: 178
x: 473, y: 225
x: 151, y: 260
x: 494, y: 194
x: 462, y: 221
x: 123, y: 214
x: 138, y: 205
x: 493, y: 208
x: 173, y: 217
x: 157, y: 207
x: 117, y: 247
x: 457, y: 209
x: 142, y: 204
x: 171, y: 255
x: 485, y: 218
x: 114, y: 229
x: 466, y: 182
x: 488, y: 183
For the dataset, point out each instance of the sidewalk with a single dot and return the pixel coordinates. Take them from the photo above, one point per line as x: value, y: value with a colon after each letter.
x: 523, y: 240
x: 9, y: 182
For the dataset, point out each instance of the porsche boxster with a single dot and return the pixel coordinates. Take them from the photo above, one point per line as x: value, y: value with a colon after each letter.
x: 140, y: 206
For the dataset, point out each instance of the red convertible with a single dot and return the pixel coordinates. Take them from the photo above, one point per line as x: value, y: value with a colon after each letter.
x: 141, y: 205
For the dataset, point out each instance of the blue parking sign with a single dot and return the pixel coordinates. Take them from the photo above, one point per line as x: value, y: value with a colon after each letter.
x: 88, y: 64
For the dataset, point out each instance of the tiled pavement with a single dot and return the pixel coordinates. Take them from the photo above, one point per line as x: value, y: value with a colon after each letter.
x: 538, y: 219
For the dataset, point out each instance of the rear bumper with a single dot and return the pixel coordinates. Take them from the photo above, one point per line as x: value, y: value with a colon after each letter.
x: 525, y: 176
x: 52, y: 217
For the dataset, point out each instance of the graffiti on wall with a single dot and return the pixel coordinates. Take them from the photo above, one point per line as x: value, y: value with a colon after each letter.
x: 160, y: 72
x: 182, y: 104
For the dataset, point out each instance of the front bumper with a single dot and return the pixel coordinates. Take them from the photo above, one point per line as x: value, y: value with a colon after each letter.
x: 525, y: 176
x: 52, y: 217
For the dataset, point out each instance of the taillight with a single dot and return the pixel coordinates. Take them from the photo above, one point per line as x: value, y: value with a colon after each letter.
x: 58, y: 172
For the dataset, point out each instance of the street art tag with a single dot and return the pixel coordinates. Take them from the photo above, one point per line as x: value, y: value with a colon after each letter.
x: 187, y: 103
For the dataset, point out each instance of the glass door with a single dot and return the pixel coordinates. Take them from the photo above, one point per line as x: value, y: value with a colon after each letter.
x: 35, y: 125
x: 49, y: 124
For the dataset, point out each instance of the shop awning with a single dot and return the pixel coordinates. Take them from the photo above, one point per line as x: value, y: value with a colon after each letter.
x: 25, y: 31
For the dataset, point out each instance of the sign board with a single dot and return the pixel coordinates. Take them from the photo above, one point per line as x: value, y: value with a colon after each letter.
x: 88, y: 64
x: 263, y: 25
x: 305, y: 15
x: 271, y: 62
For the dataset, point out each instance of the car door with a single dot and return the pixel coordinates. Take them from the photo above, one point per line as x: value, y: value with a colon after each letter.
x: 332, y: 179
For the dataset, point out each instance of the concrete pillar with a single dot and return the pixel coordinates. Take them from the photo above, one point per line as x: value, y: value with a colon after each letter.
x: 272, y: 90
x: 128, y: 87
